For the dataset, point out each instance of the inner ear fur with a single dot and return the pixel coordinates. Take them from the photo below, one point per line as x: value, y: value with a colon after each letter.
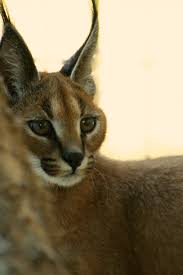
x: 79, y: 66
x: 16, y: 62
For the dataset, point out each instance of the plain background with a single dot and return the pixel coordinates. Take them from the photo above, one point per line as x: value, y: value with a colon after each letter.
x: 140, y: 65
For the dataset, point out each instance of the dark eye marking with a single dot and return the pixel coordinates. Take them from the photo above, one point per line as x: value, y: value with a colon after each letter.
x: 47, y: 109
x: 40, y: 127
x: 88, y: 124
x: 82, y: 106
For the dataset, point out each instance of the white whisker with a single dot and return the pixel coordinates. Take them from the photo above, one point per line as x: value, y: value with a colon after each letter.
x: 104, y: 180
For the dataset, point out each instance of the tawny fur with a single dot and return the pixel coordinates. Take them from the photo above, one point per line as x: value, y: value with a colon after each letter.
x: 25, y: 209
x: 110, y: 217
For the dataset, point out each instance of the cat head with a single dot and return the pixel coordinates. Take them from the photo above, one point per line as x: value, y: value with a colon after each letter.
x: 63, y: 128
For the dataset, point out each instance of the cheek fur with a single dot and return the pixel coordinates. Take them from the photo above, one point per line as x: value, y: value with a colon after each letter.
x: 39, y: 147
x: 94, y: 141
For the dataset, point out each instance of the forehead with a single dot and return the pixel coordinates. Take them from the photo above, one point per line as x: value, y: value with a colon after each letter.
x: 63, y: 97
x: 55, y: 95
x: 58, y: 97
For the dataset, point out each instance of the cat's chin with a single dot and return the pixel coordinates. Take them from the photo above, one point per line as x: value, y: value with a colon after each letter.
x: 65, y: 181
x: 62, y: 181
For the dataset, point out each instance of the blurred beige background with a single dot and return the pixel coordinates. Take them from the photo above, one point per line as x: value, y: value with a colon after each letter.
x: 140, y: 68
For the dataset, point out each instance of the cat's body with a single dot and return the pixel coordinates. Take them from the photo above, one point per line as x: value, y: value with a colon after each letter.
x: 110, y: 218
x: 125, y: 219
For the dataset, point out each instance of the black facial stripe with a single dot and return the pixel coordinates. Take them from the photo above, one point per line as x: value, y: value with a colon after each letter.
x: 82, y: 106
x: 49, y: 159
x: 46, y: 107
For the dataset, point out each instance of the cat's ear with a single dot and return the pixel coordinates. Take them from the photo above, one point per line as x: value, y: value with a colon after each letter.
x: 79, y: 66
x: 16, y: 63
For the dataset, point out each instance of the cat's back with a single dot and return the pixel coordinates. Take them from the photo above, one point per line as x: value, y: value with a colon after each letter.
x: 164, y: 170
x: 146, y: 183
x: 150, y: 194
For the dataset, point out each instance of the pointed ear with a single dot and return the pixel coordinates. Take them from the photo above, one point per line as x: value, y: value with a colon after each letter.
x: 79, y: 66
x: 16, y: 63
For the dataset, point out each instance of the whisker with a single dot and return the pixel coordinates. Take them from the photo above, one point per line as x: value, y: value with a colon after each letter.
x: 93, y: 182
x: 91, y: 157
x: 49, y: 159
x: 92, y: 161
x: 104, y: 180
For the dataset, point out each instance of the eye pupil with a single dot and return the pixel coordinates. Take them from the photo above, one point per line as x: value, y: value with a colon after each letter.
x: 42, y: 124
x: 88, y: 124
x: 40, y: 127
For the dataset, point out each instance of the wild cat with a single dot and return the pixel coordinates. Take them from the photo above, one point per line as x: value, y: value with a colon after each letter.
x: 116, y: 218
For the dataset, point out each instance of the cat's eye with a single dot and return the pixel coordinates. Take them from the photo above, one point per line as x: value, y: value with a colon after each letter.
x: 88, y: 124
x: 40, y: 127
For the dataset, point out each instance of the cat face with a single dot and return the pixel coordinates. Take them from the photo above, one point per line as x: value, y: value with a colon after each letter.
x: 63, y: 129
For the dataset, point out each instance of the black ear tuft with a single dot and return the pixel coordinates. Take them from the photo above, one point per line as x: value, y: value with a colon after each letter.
x: 79, y: 66
x: 4, y: 13
x: 16, y: 63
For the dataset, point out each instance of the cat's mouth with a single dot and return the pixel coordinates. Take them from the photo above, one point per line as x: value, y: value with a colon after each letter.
x: 50, y: 167
x: 57, y: 172
x: 53, y: 169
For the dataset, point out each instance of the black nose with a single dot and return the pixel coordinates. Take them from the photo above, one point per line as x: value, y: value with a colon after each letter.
x: 73, y: 158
